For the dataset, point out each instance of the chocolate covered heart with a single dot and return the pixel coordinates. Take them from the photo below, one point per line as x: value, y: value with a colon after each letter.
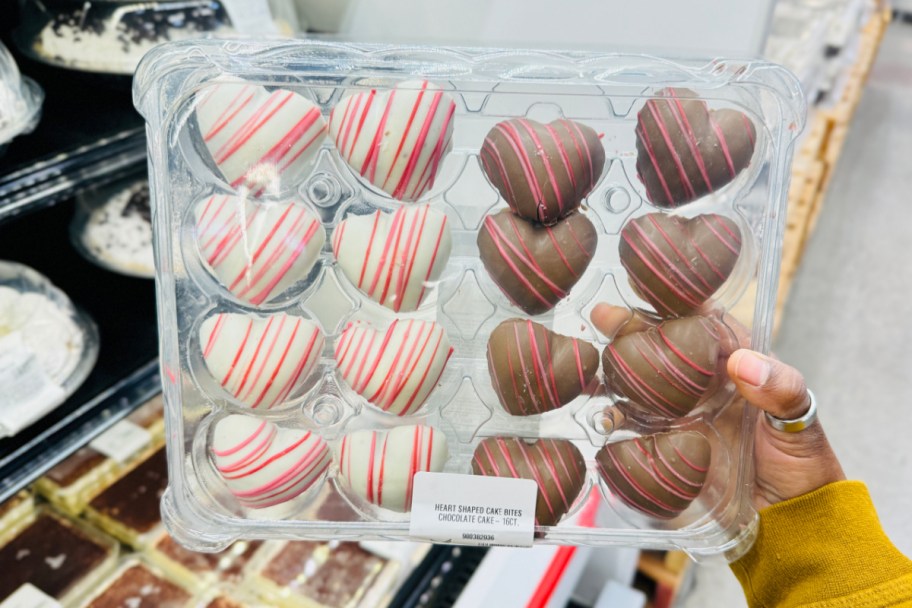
x: 666, y: 370
x: 536, y: 265
x: 535, y: 370
x: 257, y: 250
x: 659, y: 475
x: 394, y: 258
x: 395, y: 139
x: 259, y: 139
x: 685, y: 150
x: 264, y: 464
x: 556, y: 465
x: 677, y: 264
x: 260, y: 361
x: 380, y: 466
x: 542, y: 171
x: 394, y: 369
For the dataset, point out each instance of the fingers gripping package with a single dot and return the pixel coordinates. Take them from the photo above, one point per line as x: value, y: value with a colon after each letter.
x: 381, y: 266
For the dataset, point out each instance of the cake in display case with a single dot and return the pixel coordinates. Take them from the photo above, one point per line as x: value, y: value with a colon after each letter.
x: 111, y: 36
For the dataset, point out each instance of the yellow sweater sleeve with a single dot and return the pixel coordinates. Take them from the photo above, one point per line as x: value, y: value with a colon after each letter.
x: 825, y: 549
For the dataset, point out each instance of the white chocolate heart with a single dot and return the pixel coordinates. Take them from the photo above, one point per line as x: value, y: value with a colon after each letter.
x: 260, y: 361
x: 395, y: 369
x: 257, y: 250
x: 380, y: 466
x: 394, y: 258
x: 395, y: 139
x: 259, y: 139
x: 263, y: 464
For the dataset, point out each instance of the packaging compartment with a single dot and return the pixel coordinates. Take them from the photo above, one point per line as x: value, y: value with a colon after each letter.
x: 206, y: 203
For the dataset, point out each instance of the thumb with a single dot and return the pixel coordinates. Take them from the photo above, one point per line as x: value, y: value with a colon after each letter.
x: 769, y: 384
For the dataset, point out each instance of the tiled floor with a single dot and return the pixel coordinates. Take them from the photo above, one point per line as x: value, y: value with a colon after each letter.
x: 847, y: 325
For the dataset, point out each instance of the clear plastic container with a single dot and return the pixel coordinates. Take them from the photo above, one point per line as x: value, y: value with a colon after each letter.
x: 216, y: 213
x: 20, y: 100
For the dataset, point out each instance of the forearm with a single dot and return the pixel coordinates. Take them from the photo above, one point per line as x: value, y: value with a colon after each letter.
x: 825, y: 549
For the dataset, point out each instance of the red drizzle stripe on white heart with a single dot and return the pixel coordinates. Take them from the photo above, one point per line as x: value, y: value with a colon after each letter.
x: 250, y: 133
x: 390, y: 460
x: 299, y: 466
x: 238, y: 103
x: 270, y: 465
x: 430, y: 106
x: 380, y: 366
x: 397, y: 264
x: 225, y: 232
x: 261, y: 372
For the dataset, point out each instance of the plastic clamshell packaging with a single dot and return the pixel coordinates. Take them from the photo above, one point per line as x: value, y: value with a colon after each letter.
x: 428, y: 202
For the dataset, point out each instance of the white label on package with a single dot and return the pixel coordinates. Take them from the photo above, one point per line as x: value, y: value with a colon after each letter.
x: 29, y: 596
x: 26, y: 391
x: 251, y: 16
x: 473, y: 510
x: 122, y: 441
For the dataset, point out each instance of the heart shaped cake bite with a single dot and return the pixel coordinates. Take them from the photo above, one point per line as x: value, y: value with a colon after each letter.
x: 685, y: 150
x: 556, y: 465
x: 677, y: 264
x: 395, y: 139
x: 265, y: 465
x: 659, y: 475
x: 379, y: 467
x: 543, y: 172
x: 260, y: 361
x: 535, y: 265
x: 394, y: 369
x: 666, y: 370
x: 535, y: 370
x: 259, y: 139
x: 257, y: 250
x: 394, y: 258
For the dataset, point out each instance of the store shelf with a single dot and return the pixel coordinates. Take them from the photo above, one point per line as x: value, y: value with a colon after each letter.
x: 126, y: 372
x: 89, y: 134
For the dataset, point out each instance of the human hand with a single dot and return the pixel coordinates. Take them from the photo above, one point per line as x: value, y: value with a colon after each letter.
x: 786, y: 464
